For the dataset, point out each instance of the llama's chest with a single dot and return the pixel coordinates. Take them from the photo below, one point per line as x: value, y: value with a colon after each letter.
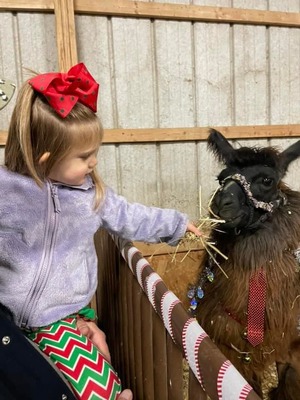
x: 276, y: 283
x: 253, y: 327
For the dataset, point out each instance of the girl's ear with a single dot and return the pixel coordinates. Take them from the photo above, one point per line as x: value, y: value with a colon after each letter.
x: 44, y: 158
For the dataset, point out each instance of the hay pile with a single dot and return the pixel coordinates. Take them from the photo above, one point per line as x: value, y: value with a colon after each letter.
x: 205, y: 225
x: 180, y: 265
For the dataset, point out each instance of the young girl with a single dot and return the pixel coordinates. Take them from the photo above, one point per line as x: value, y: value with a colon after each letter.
x: 52, y: 203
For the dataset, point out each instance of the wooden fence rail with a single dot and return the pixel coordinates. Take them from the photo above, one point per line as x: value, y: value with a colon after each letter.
x: 150, y: 333
x: 161, y: 10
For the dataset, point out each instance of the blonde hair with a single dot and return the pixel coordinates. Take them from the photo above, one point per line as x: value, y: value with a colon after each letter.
x: 35, y: 129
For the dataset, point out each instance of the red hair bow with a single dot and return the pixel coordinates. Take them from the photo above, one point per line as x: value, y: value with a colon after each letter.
x: 64, y: 90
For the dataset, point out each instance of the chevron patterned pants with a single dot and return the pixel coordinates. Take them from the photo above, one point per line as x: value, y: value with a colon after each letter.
x: 89, y: 374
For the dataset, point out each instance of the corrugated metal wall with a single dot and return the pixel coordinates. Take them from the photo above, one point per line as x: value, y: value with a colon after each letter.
x: 157, y: 73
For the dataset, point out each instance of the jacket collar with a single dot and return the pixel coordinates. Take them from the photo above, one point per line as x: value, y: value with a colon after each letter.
x: 88, y: 184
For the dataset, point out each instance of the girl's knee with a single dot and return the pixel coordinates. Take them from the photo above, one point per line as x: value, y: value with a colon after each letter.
x: 95, y: 335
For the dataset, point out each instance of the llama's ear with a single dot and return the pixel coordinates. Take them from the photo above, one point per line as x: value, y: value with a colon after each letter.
x: 220, y: 146
x: 288, y: 155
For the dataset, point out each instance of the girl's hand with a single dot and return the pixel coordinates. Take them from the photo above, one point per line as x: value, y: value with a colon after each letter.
x: 192, y: 228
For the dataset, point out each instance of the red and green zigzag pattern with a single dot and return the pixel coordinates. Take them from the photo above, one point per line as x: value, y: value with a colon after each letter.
x: 91, y: 376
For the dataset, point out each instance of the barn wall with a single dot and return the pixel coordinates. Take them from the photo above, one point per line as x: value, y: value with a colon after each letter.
x: 164, y: 74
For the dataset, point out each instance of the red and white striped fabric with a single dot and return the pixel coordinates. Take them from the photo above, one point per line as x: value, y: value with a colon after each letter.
x: 230, y: 383
x: 168, y: 302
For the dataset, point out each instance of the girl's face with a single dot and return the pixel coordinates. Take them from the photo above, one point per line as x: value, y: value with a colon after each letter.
x: 73, y: 169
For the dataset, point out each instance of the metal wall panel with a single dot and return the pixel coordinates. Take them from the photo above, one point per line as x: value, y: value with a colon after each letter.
x: 27, y: 41
x: 284, y: 80
x: 159, y: 73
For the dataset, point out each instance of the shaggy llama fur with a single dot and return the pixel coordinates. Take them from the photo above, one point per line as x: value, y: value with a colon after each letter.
x: 255, y: 237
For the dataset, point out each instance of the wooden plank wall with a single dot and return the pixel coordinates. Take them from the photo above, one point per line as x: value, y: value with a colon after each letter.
x: 147, y: 359
x: 165, y: 79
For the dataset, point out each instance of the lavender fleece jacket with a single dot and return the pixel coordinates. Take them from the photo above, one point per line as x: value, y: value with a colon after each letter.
x: 48, y: 264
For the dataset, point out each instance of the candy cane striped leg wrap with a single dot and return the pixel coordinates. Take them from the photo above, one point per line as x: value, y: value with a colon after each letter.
x: 90, y: 375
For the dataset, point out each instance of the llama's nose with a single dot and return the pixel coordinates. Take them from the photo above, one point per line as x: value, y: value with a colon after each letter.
x: 227, y: 200
x: 223, y: 203
x: 229, y: 195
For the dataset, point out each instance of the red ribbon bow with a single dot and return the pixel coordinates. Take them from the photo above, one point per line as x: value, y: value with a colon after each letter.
x: 64, y: 90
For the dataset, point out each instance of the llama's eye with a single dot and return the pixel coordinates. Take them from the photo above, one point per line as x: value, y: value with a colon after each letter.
x: 267, y: 181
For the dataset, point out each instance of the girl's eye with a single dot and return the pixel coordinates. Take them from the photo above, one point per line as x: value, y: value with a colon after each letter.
x: 85, y: 156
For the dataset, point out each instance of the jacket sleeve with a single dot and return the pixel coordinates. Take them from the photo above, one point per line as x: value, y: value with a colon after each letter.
x: 134, y: 221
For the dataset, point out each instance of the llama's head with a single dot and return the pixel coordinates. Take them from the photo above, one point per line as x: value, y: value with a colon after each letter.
x: 250, y: 182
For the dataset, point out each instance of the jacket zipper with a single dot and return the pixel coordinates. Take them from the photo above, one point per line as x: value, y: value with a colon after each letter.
x: 42, y: 274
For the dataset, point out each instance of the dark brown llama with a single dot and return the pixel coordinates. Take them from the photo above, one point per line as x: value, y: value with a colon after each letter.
x: 249, y: 304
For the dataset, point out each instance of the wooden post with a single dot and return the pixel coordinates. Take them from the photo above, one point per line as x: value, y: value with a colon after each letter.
x: 65, y: 34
